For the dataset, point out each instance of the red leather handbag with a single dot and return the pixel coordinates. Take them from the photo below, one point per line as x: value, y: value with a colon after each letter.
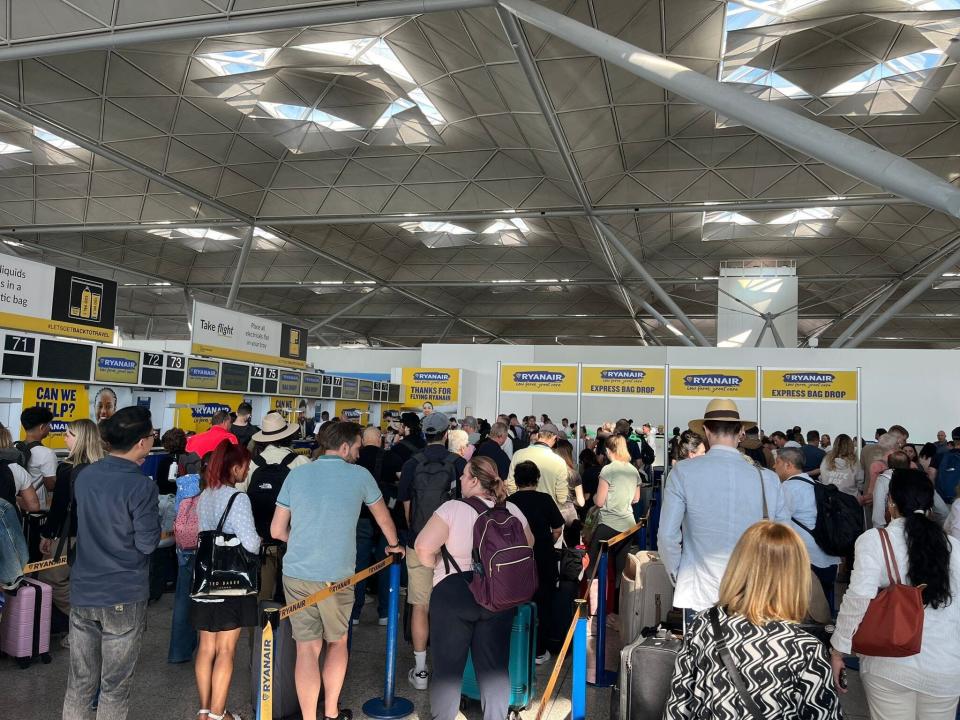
x: 893, y: 623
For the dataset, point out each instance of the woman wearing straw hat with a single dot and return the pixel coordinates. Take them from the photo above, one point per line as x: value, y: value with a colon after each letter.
x: 713, y: 499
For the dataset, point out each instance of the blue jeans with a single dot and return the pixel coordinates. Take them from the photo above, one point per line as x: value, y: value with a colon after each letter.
x: 371, y: 548
x: 104, y: 648
x: 828, y: 579
x: 183, y: 638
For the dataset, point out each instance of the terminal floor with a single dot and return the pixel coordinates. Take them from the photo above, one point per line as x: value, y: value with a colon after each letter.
x: 168, y: 692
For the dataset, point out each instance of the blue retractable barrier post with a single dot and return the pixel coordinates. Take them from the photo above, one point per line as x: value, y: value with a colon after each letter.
x: 390, y: 707
x: 578, y: 693
x: 603, y: 678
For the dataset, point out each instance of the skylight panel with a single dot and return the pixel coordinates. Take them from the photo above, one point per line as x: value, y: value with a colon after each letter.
x: 233, y: 62
x: 11, y: 149
x: 726, y: 218
x: 499, y: 226
x: 435, y: 227
x: 923, y: 60
x: 55, y: 140
x: 805, y: 214
x: 197, y: 233
x: 298, y: 112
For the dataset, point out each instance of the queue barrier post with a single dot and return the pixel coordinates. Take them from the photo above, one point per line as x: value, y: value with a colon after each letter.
x: 270, y: 620
x: 578, y: 694
x: 602, y: 678
x: 390, y: 707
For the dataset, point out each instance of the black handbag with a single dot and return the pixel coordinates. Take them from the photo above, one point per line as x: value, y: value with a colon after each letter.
x: 223, y: 567
x: 569, y: 563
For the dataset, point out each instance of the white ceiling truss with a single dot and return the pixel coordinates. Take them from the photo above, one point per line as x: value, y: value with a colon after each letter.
x: 416, y: 155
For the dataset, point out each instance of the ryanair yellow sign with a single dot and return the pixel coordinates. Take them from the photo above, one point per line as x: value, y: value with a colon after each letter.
x: 828, y: 385
x: 622, y: 380
x: 713, y: 382
x: 435, y: 385
x: 539, y: 379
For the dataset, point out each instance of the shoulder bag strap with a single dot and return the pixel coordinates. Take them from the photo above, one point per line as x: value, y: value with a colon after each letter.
x: 67, y: 526
x: 288, y: 458
x: 893, y: 571
x: 763, y: 490
x: 728, y: 663
x: 223, y: 518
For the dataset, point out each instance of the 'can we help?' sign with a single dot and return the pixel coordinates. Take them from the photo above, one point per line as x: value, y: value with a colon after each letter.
x: 67, y: 402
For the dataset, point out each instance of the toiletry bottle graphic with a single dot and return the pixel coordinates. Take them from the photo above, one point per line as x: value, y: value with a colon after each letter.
x: 85, y: 302
x: 294, y: 343
x: 95, y: 305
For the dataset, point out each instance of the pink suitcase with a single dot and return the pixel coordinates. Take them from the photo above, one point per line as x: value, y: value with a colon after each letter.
x: 25, y: 627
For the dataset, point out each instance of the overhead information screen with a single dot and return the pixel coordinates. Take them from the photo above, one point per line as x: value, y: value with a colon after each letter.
x: 393, y: 395
x: 365, y: 390
x: 351, y: 386
x: 64, y: 360
x: 18, y: 355
x: 312, y: 385
x: 151, y: 371
x: 203, y: 374
x: 176, y: 370
x: 117, y: 366
x: 233, y: 377
x: 289, y: 383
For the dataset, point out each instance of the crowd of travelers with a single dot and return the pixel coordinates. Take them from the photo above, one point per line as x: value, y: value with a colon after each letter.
x: 751, y: 526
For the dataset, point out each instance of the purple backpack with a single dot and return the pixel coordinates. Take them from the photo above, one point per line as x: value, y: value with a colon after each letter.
x: 504, y: 569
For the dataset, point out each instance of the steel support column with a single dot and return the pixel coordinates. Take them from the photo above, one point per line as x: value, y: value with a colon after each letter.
x: 236, y: 23
x: 344, y: 310
x: 241, y: 264
x: 907, y: 298
x: 662, y: 294
x: 655, y: 314
x: 854, y: 157
x: 884, y: 295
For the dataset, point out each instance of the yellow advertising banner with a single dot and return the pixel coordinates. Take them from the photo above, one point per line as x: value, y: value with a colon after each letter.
x: 623, y: 380
x: 286, y: 406
x: 436, y: 385
x: 829, y: 385
x: 713, y: 382
x: 539, y: 379
x: 117, y: 366
x: 201, y: 407
x: 352, y: 410
x: 67, y: 402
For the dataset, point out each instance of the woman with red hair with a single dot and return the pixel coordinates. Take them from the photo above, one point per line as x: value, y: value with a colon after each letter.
x: 219, y: 620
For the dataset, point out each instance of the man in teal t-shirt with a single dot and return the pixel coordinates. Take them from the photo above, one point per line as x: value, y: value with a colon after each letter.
x: 317, y: 511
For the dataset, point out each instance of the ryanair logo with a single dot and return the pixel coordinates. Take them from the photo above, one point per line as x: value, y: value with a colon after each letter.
x: 528, y: 377
x: 812, y: 378
x: 712, y: 380
x: 622, y: 374
x: 431, y: 377
x: 115, y: 363
x: 208, y: 410
x: 289, y: 377
x: 203, y: 372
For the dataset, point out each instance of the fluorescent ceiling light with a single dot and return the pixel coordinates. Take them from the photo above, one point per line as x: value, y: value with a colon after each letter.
x: 13, y: 243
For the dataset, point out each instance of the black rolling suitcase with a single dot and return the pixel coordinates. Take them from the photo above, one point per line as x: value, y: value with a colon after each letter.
x: 280, y: 670
x: 646, y: 671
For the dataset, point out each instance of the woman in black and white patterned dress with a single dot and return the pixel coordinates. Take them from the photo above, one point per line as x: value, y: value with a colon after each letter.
x: 786, y: 671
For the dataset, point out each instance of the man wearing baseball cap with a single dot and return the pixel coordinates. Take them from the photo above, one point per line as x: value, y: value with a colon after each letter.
x: 713, y: 499
x: 428, y: 479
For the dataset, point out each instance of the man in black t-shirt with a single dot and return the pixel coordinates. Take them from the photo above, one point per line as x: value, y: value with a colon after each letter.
x: 492, y: 448
x: 546, y: 523
x: 242, y: 428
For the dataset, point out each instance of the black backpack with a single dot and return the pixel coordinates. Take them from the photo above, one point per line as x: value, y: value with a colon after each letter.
x: 434, y: 482
x: 265, y: 484
x: 25, y: 450
x: 839, y: 519
x: 8, y: 486
x: 647, y: 453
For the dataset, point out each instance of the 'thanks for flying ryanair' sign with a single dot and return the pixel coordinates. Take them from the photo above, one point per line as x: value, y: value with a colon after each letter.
x: 622, y: 381
x: 435, y: 385
x: 713, y: 382
x: 829, y: 385
x: 540, y: 379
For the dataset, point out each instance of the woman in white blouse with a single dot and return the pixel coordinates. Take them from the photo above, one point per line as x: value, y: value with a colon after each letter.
x: 925, y: 686
x: 841, y: 468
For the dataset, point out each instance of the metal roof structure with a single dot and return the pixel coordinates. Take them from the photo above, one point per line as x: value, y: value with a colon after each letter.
x: 395, y: 172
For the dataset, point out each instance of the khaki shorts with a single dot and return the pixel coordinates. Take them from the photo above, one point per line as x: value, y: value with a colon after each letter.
x: 327, y: 620
x: 419, y: 580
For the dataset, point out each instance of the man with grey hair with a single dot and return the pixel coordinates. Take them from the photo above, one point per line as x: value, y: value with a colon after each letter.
x: 470, y: 426
x: 553, y: 470
x: 800, y: 493
x: 492, y: 448
x: 508, y: 445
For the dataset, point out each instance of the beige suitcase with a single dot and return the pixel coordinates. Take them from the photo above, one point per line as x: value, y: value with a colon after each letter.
x: 646, y: 594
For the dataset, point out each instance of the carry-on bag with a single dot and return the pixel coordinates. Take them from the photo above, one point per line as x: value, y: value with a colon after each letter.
x: 646, y: 594
x: 25, y: 627
x: 523, y: 666
x: 646, y: 672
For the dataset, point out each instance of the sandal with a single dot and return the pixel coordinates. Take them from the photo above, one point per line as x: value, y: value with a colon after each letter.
x: 233, y: 716
x: 203, y: 712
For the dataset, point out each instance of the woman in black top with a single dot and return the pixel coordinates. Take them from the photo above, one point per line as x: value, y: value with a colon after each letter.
x: 546, y: 524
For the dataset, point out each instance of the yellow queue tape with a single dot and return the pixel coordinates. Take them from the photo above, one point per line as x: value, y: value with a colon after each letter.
x: 288, y: 610
x: 44, y: 565
x: 624, y: 535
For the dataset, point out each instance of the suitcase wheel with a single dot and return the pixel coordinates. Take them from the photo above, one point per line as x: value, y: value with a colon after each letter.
x: 45, y: 658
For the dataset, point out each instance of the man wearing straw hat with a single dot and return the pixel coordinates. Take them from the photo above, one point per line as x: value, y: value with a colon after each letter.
x: 709, y: 502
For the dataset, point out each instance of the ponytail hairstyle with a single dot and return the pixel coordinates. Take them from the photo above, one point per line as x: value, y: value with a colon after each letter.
x: 928, y: 547
x: 223, y: 460
x: 485, y: 470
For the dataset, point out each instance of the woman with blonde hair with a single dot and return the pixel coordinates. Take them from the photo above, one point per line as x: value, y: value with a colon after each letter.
x: 458, y: 442
x: 85, y: 447
x: 564, y: 449
x: 617, y: 492
x: 785, y: 672
x: 840, y: 467
x: 457, y: 622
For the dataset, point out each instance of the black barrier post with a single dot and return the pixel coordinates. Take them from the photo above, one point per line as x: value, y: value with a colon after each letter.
x: 390, y: 707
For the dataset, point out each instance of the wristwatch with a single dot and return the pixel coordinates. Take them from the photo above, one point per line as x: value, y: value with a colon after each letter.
x: 395, y: 545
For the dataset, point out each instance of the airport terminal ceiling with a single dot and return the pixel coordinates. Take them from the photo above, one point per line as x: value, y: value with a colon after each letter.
x: 391, y: 177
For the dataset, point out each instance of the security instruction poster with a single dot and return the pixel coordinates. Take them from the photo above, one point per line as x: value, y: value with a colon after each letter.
x: 539, y: 379
x: 79, y: 306
x: 218, y: 332
x: 713, y: 382
x: 622, y: 381
x: 200, y: 408
x: 440, y: 386
x: 67, y: 402
x: 825, y: 385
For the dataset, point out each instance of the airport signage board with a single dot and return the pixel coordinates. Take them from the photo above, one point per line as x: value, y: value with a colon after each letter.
x: 435, y: 385
x: 67, y: 402
x: 218, y: 332
x: 539, y: 379
x: 818, y: 385
x: 54, y: 301
x: 622, y: 381
x: 713, y: 382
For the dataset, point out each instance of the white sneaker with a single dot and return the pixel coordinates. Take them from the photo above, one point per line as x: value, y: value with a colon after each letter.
x: 541, y: 659
x: 382, y: 622
x: 355, y: 621
x: 419, y: 680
